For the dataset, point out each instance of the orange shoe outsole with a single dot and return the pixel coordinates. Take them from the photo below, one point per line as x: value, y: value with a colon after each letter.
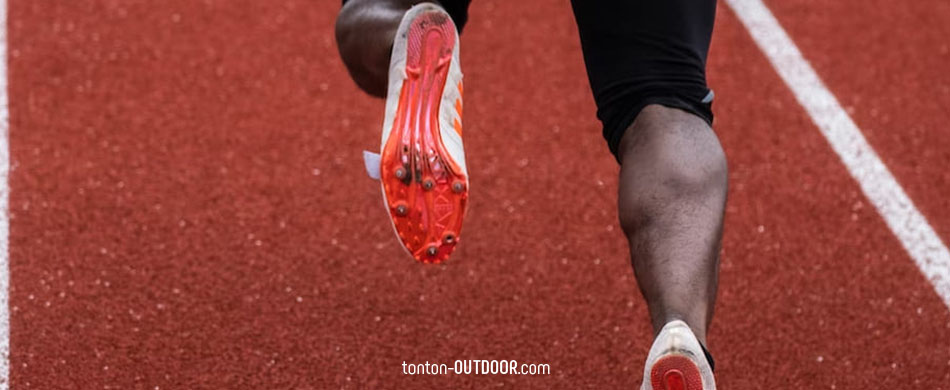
x: 426, y: 191
x: 675, y: 372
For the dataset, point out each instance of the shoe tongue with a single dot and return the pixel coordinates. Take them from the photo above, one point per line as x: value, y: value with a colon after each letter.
x: 371, y: 162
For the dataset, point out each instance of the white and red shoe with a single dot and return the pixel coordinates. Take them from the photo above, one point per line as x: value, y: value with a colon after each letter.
x: 421, y: 162
x: 677, y: 362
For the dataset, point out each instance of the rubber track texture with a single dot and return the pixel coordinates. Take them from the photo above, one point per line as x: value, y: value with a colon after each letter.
x: 189, y: 211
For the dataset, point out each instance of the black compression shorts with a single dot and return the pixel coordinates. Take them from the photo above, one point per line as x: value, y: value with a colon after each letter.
x: 642, y: 52
x: 638, y: 52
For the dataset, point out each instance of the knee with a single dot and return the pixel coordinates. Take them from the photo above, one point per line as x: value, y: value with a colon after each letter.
x: 700, y: 169
x: 364, y: 34
x: 668, y: 156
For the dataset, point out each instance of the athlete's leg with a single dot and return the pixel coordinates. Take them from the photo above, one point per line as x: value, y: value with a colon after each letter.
x: 365, y: 30
x: 671, y: 200
x: 646, y: 63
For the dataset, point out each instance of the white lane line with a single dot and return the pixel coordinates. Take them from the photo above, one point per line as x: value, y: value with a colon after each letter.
x: 4, y: 200
x: 877, y: 182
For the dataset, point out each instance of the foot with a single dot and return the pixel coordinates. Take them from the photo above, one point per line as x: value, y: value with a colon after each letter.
x: 677, y: 362
x: 422, y: 166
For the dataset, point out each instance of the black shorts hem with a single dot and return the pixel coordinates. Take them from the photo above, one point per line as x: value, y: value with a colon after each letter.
x: 613, y: 134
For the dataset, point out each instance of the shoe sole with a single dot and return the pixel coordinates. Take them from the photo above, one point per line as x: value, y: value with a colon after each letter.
x: 425, y: 190
x: 675, y: 372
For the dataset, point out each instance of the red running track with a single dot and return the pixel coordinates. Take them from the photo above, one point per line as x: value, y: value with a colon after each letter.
x: 188, y: 210
x: 892, y: 76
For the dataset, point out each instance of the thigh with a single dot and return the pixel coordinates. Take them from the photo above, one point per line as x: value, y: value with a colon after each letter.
x: 457, y: 9
x: 641, y: 52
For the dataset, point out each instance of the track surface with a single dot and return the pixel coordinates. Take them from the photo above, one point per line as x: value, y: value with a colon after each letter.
x: 188, y: 207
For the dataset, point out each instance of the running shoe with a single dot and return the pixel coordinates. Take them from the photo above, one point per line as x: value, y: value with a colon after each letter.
x: 677, y: 362
x: 421, y: 161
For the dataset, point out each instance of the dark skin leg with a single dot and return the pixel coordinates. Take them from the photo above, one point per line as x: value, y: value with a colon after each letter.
x: 673, y: 182
x: 365, y: 30
x: 672, y: 178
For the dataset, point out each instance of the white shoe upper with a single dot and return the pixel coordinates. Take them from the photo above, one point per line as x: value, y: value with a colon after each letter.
x: 448, y: 113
